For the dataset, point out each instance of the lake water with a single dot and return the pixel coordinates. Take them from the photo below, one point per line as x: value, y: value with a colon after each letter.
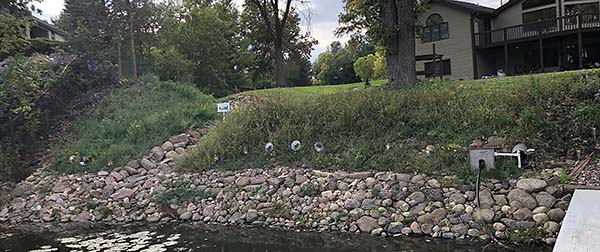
x: 228, y: 239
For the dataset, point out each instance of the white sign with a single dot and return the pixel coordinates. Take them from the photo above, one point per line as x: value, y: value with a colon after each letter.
x: 223, y: 107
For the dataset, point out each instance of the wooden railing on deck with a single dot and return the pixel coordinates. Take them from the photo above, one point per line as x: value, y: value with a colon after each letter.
x: 549, y: 27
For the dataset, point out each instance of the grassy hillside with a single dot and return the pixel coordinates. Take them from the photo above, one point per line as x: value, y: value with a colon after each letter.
x: 132, y: 120
x: 553, y: 113
x: 304, y: 92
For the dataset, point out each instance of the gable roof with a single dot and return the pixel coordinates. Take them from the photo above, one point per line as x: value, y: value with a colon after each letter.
x: 506, y: 5
x: 464, y: 6
x: 47, y: 26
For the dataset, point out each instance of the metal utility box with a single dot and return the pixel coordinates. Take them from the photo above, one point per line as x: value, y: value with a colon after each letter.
x: 484, y: 157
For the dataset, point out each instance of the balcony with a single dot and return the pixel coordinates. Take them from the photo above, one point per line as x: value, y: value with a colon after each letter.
x: 537, y: 30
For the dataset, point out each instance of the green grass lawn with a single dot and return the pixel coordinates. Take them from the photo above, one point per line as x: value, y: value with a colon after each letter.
x: 303, y: 92
x: 128, y: 123
x: 552, y: 113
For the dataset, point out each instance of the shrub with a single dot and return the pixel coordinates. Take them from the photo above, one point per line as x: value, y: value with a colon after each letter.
x: 552, y: 113
x: 44, y: 46
x: 24, y: 87
x: 178, y: 193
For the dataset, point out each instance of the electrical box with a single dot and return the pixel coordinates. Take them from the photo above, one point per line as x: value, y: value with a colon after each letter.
x: 482, y: 157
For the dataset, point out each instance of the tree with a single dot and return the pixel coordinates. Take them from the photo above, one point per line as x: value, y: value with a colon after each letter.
x: 275, y: 21
x: 380, y: 68
x: 260, y: 57
x: 336, y: 65
x: 15, y: 17
x: 364, y: 67
x: 390, y: 23
x: 90, y: 28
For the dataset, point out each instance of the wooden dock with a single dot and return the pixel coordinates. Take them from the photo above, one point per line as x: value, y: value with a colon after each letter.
x: 580, y: 231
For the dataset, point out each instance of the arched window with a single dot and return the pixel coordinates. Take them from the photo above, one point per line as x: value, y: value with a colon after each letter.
x: 434, y: 19
x: 435, y: 29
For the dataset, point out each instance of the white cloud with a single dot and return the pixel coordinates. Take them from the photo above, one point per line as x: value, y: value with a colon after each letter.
x: 51, y: 9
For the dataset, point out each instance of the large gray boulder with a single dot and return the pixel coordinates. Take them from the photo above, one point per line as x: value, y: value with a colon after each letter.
x: 520, y: 198
x: 531, y: 184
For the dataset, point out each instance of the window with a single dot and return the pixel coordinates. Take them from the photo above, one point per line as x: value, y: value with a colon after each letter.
x: 574, y: 9
x: 539, y: 15
x: 432, y: 68
x: 537, y: 3
x: 435, y: 29
x: 434, y: 19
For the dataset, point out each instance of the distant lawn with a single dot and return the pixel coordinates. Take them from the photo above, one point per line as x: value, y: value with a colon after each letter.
x: 128, y: 123
x: 307, y: 91
x: 381, y: 129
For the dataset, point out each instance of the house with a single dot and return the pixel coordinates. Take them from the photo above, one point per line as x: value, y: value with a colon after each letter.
x: 42, y: 29
x: 519, y: 37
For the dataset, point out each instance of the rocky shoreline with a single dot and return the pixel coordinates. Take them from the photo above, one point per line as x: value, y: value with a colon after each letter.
x: 383, y: 203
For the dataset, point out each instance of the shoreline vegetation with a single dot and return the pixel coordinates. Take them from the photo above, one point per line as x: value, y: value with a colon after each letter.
x: 214, y: 175
x: 524, y: 210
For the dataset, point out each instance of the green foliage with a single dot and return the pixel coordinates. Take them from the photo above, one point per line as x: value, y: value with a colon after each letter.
x: 380, y: 68
x: 44, y: 46
x: 335, y: 66
x: 365, y: 67
x: 91, y: 27
x: 24, y: 87
x: 180, y: 192
x: 375, y: 192
x: 309, y: 189
x: 170, y: 64
x: 409, y: 219
x: 13, y: 38
x: 564, y: 177
x: 543, y: 111
x: 524, y: 236
x: 132, y: 120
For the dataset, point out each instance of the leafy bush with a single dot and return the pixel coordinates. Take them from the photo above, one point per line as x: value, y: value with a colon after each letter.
x: 390, y: 130
x: 178, y: 193
x: 24, y: 87
x: 132, y: 120
x: 45, y: 46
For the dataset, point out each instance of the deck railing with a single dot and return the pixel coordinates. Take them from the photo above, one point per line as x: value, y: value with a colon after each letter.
x: 548, y: 27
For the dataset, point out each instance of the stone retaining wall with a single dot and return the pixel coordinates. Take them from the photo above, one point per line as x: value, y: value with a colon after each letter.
x: 383, y: 203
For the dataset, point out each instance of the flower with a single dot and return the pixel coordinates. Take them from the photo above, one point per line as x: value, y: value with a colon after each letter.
x: 429, y: 148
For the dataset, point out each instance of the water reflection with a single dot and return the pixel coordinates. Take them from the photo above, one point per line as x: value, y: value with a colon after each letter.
x: 230, y: 239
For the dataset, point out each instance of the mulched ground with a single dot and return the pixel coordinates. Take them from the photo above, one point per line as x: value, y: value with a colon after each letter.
x: 590, y: 176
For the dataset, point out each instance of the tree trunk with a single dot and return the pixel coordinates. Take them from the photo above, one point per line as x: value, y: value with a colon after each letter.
x: 392, y: 42
x: 398, y: 19
x: 406, y: 46
x: 119, y: 59
x: 131, y: 41
x: 279, y: 63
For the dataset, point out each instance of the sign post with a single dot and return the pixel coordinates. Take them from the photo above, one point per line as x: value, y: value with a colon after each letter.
x: 223, y: 108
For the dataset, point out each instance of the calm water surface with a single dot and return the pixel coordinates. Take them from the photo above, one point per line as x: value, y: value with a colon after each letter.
x: 231, y: 239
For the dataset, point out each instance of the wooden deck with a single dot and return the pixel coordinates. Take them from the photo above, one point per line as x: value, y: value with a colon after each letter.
x: 580, y: 231
x: 560, y: 26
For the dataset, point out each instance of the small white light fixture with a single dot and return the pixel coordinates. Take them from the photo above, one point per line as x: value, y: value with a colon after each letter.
x: 319, y: 147
x: 296, y: 145
x: 269, y: 147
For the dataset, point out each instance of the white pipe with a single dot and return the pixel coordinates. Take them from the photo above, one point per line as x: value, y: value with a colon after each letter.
x: 510, y: 155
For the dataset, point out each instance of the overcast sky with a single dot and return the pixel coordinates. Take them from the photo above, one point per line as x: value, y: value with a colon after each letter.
x: 324, y: 18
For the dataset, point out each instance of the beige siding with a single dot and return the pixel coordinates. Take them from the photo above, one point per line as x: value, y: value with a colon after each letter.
x: 458, y: 48
x: 511, y: 16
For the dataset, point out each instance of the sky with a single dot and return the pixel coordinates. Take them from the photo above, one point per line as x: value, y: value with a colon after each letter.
x: 324, y: 18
